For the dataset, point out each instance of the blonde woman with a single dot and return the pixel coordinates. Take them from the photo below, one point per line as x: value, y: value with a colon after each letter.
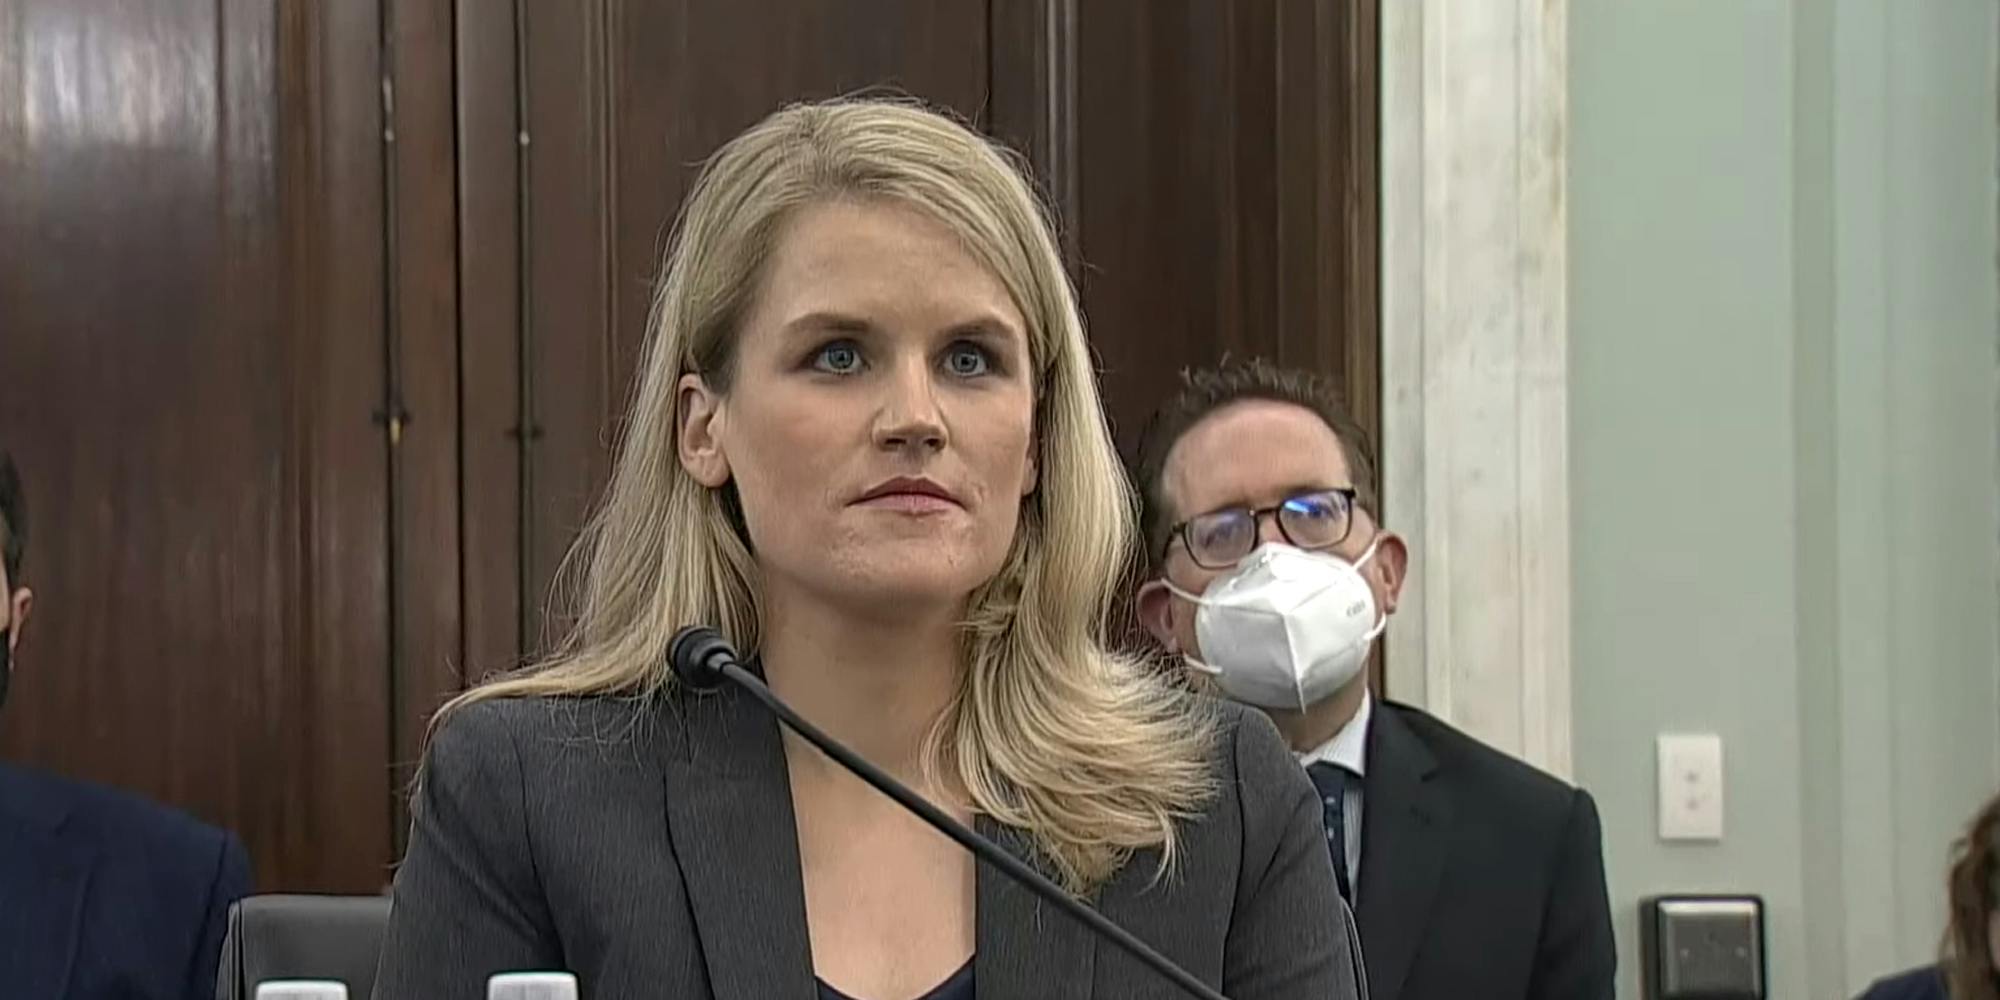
x: 867, y: 444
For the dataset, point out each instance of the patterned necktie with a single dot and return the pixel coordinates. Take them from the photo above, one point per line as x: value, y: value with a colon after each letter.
x: 1331, y: 780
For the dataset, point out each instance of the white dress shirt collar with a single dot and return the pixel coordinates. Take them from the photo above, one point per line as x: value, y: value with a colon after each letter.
x: 1349, y: 747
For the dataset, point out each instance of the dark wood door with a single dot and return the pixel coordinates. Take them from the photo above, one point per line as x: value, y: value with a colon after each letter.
x: 1213, y: 166
x: 1222, y: 187
x: 317, y: 320
x: 618, y: 103
x: 190, y: 375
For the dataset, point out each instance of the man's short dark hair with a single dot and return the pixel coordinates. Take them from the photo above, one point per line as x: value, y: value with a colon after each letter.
x: 1205, y: 391
x: 13, y: 520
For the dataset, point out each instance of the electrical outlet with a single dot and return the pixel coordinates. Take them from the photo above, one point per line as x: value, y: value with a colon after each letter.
x: 1690, y: 786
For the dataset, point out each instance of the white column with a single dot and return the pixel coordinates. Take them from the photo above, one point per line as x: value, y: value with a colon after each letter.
x: 1475, y: 435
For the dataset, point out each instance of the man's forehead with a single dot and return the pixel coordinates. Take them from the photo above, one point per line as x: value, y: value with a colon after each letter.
x: 1254, y: 453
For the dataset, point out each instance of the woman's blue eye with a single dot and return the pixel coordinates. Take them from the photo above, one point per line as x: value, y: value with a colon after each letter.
x: 838, y: 358
x: 968, y: 360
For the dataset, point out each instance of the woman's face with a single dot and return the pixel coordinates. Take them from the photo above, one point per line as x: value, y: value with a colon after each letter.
x: 880, y: 419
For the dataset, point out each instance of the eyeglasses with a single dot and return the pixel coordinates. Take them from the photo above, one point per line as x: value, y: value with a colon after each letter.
x: 1220, y: 539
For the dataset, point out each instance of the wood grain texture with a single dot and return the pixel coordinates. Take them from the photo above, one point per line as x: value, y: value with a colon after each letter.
x: 427, y: 634
x: 495, y: 432
x: 192, y: 291
x: 241, y: 239
x: 624, y: 100
x: 1224, y: 181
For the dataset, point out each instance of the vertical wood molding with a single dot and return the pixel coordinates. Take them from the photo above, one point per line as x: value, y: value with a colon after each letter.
x: 1036, y: 110
x: 494, y: 429
x: 427, y: 635
x: 1474, y: 366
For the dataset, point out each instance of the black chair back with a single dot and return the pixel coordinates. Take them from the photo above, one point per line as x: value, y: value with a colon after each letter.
x: 302, y: 937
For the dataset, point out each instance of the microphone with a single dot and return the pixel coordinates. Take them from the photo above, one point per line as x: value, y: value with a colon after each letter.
x: 531, y: 986
x: 703, y: 660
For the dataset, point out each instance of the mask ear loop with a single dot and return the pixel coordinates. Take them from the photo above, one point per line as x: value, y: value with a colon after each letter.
x: 1199, y: 667
x: 1198, y: 601
x: 1369, y: 552
x: 1381, y: 617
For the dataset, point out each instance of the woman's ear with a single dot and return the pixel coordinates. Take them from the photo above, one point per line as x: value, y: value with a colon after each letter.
x: 699, y: 436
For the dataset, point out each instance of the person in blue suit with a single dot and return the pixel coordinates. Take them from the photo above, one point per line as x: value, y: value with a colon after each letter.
x: 102, y: 894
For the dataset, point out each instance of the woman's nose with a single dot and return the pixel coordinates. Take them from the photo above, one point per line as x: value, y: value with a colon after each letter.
x: 910, y: 417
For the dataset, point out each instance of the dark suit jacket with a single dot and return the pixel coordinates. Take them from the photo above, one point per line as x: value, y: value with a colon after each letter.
x: 1480, y: 876
x: 1926, y: 983
x: 651, y: 849
x: 103, y: 894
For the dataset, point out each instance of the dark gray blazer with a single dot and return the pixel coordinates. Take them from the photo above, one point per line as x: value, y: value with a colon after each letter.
x: 650, y: 848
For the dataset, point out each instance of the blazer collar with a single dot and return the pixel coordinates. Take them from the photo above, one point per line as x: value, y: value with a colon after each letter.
x: 1405, y: 820
x: 730, y: 820
x: 1027, y: 948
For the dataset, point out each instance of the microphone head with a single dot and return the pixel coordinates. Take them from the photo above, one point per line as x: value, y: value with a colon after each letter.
x: 699, y: 653
x: 531, y: 986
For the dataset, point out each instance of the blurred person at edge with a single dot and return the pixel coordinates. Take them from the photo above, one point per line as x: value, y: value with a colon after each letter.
x: 1970, y: 966
x: 102, y: 894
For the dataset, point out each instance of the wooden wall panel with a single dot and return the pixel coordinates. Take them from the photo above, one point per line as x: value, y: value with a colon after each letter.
x: 312, y: 393
x: 681, y: 86
x: 1222, y: 175
x: 1214, y: 167
x: 495, y: 434
x: 190, y: 275
x: 1032, y: 101
x: 565, y: 233
x: 624, y: 99
x: 338, y: 826
x: 427, y: 640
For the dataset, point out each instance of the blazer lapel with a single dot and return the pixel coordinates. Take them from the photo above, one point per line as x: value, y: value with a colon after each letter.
x: 1025, y: 948
x: 729, y: 816
x: 1404, y: 823
x: 42, y: 883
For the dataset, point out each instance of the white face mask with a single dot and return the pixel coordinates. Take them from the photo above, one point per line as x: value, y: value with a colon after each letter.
x: 1288, y: 628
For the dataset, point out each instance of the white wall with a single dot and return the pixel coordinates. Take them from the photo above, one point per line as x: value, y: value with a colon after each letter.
x: 1784, y: 378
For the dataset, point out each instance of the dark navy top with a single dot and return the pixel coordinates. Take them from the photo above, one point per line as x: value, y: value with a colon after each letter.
x: 958, y: 987
x: 1926, y: 983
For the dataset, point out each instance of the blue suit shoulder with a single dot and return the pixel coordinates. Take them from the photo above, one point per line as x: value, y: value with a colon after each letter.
x: 1926, y: 983
x: 111, y: 819
x: 146, y: 895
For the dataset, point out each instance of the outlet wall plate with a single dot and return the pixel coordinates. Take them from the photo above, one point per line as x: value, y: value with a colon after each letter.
x: 1702, y: 947
x: 1690, y: 786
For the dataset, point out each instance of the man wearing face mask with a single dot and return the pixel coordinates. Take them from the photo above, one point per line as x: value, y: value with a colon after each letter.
x: 102, y: 894
x: 1470, y: 873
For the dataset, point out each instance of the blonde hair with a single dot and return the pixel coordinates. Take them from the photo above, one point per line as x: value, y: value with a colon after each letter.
x: 1090, y: 752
